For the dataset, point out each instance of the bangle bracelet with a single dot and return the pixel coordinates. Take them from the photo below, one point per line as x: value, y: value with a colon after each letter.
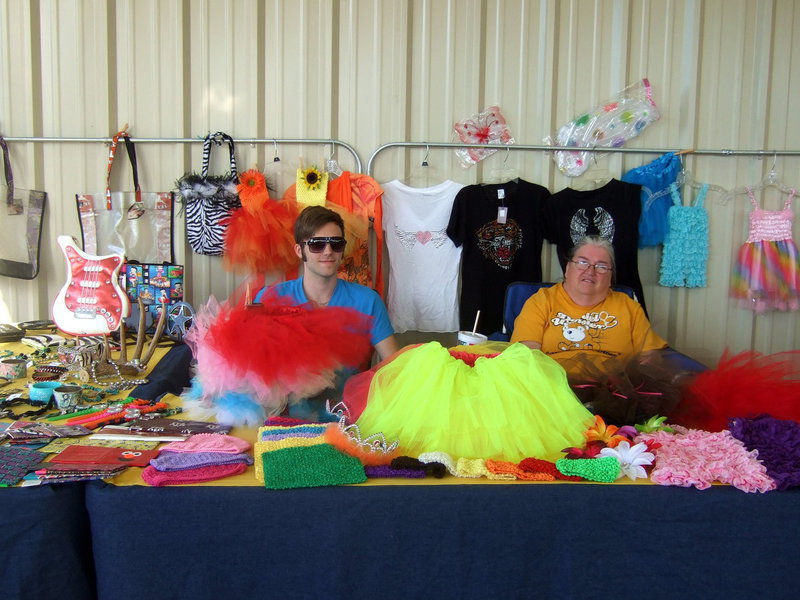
x: 58, y: 369
x: 44, y: 376
x: 47, y: 372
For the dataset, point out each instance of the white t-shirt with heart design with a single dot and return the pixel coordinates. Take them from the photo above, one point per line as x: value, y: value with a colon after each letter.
x: 424, y: 262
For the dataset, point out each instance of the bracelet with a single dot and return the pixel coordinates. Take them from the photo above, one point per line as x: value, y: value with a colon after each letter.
x: 57, y: 369
x: 40, y: 376
x: 48, y: 372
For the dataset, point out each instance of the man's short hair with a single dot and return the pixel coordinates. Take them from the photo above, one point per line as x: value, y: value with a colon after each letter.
x: 312, y: 218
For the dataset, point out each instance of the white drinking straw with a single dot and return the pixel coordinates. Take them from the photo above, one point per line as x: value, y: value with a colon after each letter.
x: 475, y: 326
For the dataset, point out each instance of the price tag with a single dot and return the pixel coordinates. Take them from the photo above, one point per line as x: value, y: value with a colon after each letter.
x: 502, y: 214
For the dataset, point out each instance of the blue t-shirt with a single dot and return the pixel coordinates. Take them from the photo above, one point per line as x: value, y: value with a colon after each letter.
x: 347, y: 294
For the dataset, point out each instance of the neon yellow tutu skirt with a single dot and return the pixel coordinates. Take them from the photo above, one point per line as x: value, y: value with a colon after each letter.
x: 515, y: 405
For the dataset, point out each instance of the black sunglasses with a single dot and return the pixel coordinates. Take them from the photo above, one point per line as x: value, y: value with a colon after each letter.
x: 317, y: 244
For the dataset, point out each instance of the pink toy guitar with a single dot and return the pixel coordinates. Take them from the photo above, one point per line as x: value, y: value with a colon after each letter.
x: 91, y: 301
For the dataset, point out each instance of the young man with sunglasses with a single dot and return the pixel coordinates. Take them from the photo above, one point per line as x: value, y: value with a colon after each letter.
x: 320, y: 244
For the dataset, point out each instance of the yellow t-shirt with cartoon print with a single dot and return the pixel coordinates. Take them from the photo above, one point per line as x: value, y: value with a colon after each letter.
x: 616, y: 326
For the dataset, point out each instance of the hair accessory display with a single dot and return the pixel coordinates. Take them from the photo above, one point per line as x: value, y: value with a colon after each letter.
x: 603, y: 470
x: 312, y: 466
x: 607, y: 125
x: 486, y: 127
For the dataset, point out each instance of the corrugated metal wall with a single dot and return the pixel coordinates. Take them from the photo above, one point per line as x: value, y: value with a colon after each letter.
x: 725, y: 74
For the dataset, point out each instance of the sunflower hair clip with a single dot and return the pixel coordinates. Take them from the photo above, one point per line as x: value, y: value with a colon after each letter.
x: 312, y: 186
x: 312, y: 178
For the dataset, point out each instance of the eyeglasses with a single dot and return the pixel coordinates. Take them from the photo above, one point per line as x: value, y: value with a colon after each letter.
x: 582, y: 265
x: 317, y: 244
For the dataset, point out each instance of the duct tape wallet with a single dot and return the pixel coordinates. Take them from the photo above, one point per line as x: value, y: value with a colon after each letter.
x: 154, y: 284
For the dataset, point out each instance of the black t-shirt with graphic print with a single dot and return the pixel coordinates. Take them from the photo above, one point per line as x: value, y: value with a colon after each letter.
x: 612, y: 212
x: 496, y: 254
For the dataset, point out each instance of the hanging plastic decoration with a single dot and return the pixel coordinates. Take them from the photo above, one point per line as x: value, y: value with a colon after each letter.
x: 487, y: 127
x: 607, y: 125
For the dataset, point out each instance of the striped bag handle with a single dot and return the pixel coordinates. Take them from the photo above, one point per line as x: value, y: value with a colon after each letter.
x: 218, y: 138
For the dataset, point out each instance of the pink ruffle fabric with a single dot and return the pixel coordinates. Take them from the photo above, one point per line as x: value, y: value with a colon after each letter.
x: 691, y: 457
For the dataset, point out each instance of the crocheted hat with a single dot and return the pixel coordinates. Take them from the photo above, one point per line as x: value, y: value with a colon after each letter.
x: 153, y: 476
x: 311, y: 466
x: 209, y: 442
x: 180, y: 461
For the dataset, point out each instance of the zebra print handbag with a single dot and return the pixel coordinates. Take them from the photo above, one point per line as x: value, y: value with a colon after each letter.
x: 209, y: 200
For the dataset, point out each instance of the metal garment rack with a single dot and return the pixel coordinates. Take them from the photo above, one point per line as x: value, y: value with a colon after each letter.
x: 540, y: 148
x: 321, y: 142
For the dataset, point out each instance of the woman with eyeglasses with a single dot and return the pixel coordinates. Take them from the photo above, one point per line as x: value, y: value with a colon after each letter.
x: 583, y: 314
x: 602, y: 339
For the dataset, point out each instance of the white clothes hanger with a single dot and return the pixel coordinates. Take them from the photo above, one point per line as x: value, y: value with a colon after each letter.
x: 504, y: 172
x: 423, y: 175
x: 592, y: 178
x: 770, y: 181
x: 685, y: 179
